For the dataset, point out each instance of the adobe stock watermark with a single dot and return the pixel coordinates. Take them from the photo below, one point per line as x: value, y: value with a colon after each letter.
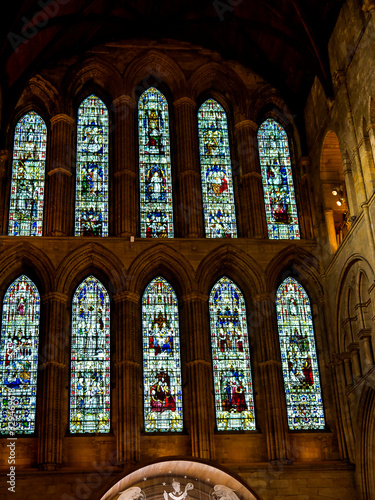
x: 30, y: 28
x: 223, y: 7
x: 11, y: 475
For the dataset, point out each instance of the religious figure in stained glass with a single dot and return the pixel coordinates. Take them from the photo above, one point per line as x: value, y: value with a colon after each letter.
x: 91, y: 217
x: 161, y: 358
x: 90, y: 359
x: 216, y: 171
x: 28, y: 173
x: 234, y: 402
x: 298, y: 357
x: 277, y: 179
x: 19, y: 357
x: 155, y: 166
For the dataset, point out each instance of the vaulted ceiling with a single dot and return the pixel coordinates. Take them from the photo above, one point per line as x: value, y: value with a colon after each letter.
x: 284, y: 41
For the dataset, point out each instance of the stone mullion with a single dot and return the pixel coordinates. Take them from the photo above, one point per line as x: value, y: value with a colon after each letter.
x: 125, y: 184
x: 252, y: 198
x: 199, y: 377
x: 189, y: 196
x: 272, y: 380
x: 59, y: 202
x: 128, y: 377
x: 53, y: 376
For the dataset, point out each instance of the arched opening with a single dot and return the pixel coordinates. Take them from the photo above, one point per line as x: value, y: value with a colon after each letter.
x: 333, y: 190
x: 181, y: 479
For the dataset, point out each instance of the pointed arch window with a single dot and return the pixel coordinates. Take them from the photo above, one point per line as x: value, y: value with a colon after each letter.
x: 91, y: 210
x: 277, y: 179
x: 19, y: 357
x: 216, y: 172
x: 161, y: 358
x: 155, y: 166
x: 298, y: 356
x: 90, y: 359
x: 234, y: 401
x: 28, y: 177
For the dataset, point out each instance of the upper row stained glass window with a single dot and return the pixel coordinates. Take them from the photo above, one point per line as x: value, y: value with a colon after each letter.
x: 155, y: 172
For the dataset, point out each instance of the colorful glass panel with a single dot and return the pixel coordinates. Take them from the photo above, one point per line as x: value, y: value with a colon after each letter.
x: 277, y: 179
x: 91, y: 217
x: 19, y: 357
x: 298, y: 357
x: 155, y: 166
x: 28, y: 173
x: 161, y: 358
x: 234, y: 402
x: 90, y: 359
x: 216, y: 172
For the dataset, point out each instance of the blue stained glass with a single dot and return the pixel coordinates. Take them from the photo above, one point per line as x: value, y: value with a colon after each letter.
x: 216, y: 172
x: 28, y: 173
x: 155, y: 166
x: 298, y: 357
x: 234, y: 402
x: 90, y: 359
x: 91, y: 215
x: 277, y: 179
x: 19, y: 357
x: 161, y: 358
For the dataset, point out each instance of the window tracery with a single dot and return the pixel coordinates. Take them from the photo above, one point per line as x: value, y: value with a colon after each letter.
x: 19, y: 357
x: 28, y: 176
x: 299, y: 358
x: 216, y: 171
x: 156, y: 209
x: 234, y: 402
x: 277, y: 179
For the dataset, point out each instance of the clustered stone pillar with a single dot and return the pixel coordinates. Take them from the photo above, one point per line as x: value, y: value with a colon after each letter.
x: 271, y: 380
x: 190, y: 212
x: 53, y: 373
x: 305, y: 214
x: 331, y: 230
x: 60, y: 181
x: 128, y: 376
x: 125, y: 168
x: 251, y: 189
x: 199, y: 376
x: 4, y: 154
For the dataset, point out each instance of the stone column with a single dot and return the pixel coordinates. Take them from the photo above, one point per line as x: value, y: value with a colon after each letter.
x: 251, y: 204
x: 128, y: 376
x: 4, y: 191
x: 305, y: 210
x: 331, y: 230
x: 53, y: 369
x: 271, y: 378
x: 199, y: 376
x: 346, y: 357
x: 189, y: 195
x: 353, y: 348
x: 368, y: 357
x: 59, y: 193
x: 125, y: 207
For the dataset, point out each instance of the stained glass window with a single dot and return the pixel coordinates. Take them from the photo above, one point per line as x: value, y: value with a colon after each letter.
x: 91, y: 217
x: 161, y: 358
x: 155, y: 166
x: 234, y: 402
x: 28, y: 171
x: 19, y: 357
x: 277, y: 178
x: 298, y: 357
x: 90, y: 359
x: 216, y: 172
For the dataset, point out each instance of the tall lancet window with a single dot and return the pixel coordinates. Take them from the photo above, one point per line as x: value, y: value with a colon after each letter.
x: 277, y: 179
x: 155, y: 166
x: 91, y: 214
x: 216, y: 172
x: 298, y: 356
x: 28, y: 174
x: 161, y: 358
x: 90, y: 359
x: 234, y: 402
x: 19, y: 357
